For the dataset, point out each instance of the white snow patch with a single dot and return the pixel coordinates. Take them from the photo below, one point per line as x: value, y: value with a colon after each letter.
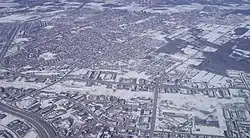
x: 19, y: 40
x: 48, y: 56
x: 43, y: 72
x: 49, y: 27
x: 14, y: 18
x: 79, y: 72
x: 31, y: 134
x: 157, y: 35
x: 200, y: 76
x: 209, y: 49
x: 46, y: 103
x: 179, y: 56
x: 97, y: 90
x: 26, y: 102
x: 194, y: 103
x: 141, y: 21
x: 95, y: 6
x: 206, y: 130
x: 21, y: 84
x: 174, y: 9
x: 132, y: 7
x: 134, y: 74
x: 216, y: 81
x: 195, y: 62
x: 189, y: 50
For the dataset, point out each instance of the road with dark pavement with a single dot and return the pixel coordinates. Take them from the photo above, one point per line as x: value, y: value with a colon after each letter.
x: 44, y: 129
x: 9, y: 42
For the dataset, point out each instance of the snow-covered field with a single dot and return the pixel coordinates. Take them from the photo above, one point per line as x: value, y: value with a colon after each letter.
x: 21, y: 84
x: 132, y: 7
x: 14, y: 18
x: 211, y: 78
x: 133, y: 74
x: 96, y: 90
x: 174, y: 9
x: 194, y: 105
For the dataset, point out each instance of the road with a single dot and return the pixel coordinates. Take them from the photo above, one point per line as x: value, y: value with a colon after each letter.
x: 153, y: 117
x: 9, y: 42
x: 86, y: 1
x: 59, y: 80
x: 43, y: 129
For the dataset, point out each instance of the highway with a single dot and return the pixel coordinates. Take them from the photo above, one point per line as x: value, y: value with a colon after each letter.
x: 9, y: 42
x: 43, y: 129
x: 153, y: 117
x: 59, y: 80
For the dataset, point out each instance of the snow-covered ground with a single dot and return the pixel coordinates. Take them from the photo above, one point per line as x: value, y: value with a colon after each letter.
x: 206, y: 130
x: 211, y: 78
x: 78, y: 29
x: 14, y: 18
x: 213, y: 32
x: 189, y: 50
x: 154, y: 34
x: 194, y: 105
x: 49, y: 27
x: 79, y: 72
x: 19, y: 40
x: 26, y: 102
x: 21, y: 84
x: 95, y: 6
x: 31, y: 134
x: 209, y: 49
x: 132, y: 7
x: 96, y: 90
x: 8, y: 118
x: 133, y: 74
x: 48, y: 56
x: 163, y: 9
x: 42, y: 72
x: 175, y: 9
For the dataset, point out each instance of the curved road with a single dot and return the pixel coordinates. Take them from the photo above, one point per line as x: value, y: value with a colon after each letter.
x: 43, y: 129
